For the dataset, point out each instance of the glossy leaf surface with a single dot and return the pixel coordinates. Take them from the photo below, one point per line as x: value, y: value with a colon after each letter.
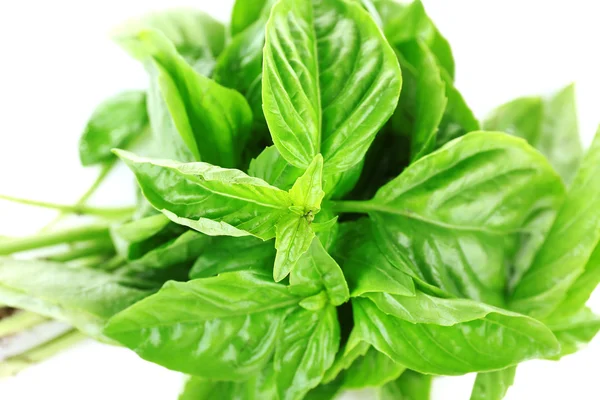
x: 223, y: 328
x: 315, y: 100
x: 410, y: 386
x: 305, y: 350
x: 445, y: 219
x: 213, y: 121
x: 498, y: 339
x: 212, y: 200
x: 371, y: 370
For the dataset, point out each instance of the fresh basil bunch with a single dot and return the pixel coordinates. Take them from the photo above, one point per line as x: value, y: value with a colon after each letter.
x: 321, y: 211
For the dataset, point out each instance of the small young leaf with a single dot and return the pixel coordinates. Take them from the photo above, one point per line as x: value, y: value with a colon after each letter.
x: 293, y: 238
x: 307, y: 191
x: 317, y: 271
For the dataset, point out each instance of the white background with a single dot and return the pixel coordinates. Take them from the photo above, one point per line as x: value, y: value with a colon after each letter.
x: 56, y: 64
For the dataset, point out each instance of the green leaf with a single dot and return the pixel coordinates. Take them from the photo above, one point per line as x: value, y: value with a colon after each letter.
x: 447, y: 218
x: 569, y: 245
x: 330, y: 81
x: 293, y: 238
x: 114, y: 123
x: 403, y: 23
x: 305, y: 350
x: 430, y: 97
x: 213, y: 121
x: 371, y: 370
x: 229, y: 254
x: 198, y: 37
x: 574, y: 331
x: 365, y: 267
x: 328, y: 391
x: 221, y: 328
x: 471, y: 340
x: 246, y: 12
x: 239, y: 67
x: 410, y: 386
x: 212, y: 200
x: 307, y: 191
x: 83, y: 297
x: 549, y: 124
x: 493, y: 385
x: 344, y: 359
x: 317, y: 271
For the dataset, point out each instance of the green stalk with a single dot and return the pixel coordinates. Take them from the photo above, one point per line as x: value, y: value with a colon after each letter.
x: 13, y: 365
x: 91, y: 261
x: 97, y: 231
x: 19, y: 321
x: 352, y: 206
x: 104, y: 171
x: 98, y: 247
x: 108, y: 212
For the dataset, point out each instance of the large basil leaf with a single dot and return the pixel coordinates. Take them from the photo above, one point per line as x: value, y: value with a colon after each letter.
x: 212, y: 200
x: 548, y: 124
x: 445, y: 220
x: 410, y: 386
x: 229, y: 254
x: 317, y: 271
x: 197, y: 36
x: 473, y: 337
x: 85, y: 298
x: 343, y: 75
x: 221, y: 328
x: 493, y: 385
x: 568, y: 247
x: 344, y: 359
x: 403, y: 23
x: 429, y: 96
x: 212, y: 121
x: 293, y: 232
x: 371, y: 370
x: 114, y: 123
x: 365, y: 267
x: 305, y: 350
